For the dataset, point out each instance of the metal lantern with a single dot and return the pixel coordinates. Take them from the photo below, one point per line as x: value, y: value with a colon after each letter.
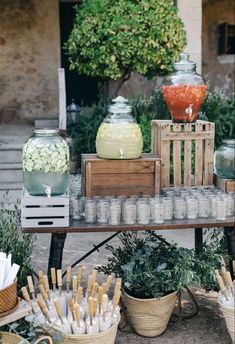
x: 73, y: 111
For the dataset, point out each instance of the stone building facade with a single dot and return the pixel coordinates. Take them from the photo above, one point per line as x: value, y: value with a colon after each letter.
x: 30, y: 54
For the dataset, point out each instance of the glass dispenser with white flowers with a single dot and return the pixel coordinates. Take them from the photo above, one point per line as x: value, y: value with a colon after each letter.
x: 46, y: 163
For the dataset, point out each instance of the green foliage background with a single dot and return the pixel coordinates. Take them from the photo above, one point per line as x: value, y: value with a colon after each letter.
x: 111, y: 38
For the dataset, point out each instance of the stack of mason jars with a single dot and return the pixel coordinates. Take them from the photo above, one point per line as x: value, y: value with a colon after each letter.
x: 180, y: 203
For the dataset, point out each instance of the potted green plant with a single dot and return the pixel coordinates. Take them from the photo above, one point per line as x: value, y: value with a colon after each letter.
x: 153, y: 273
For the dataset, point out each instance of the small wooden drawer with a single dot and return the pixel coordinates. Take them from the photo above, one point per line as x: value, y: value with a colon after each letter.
x: 186, y: 151
x: 103, y: 177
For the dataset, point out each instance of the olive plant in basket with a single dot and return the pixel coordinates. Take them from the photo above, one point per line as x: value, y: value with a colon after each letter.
x: 153, y: 271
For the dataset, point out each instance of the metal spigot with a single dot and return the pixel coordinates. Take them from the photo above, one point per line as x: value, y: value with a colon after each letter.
x: 121, y: 153
x: 189, y: 110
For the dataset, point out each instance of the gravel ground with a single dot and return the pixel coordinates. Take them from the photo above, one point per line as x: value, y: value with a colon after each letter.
x: 207, y: 327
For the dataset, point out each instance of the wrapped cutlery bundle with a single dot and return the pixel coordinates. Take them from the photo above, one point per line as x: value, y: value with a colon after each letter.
x: 226, y: 299
x: 81, y: 315
x: 8, y: 284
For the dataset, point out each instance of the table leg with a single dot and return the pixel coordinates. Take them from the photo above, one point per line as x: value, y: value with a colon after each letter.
x: 56, y: 251
x: 230, y: 234
x: 198, y: 238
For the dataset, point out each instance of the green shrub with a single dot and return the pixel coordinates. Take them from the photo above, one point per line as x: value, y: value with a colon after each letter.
x: 11, y: 240
x: 111, y: 38
x: 151, y: 267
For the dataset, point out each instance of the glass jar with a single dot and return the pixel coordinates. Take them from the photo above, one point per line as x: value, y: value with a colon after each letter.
x: 168, y: 208
x: 184, y: 91
x: 102, y: 211
x: 221, y: 210
x: 179, y: 207
x: 46, y: 163
x: 119, y: 136
x: 158, y: 212
x: 204, y: 207
x: 114, y: 212
x: 90, y: 211
x: 143, y: 211
x: 129, y: 212
x: 225, y: 160
x: 191, y: 207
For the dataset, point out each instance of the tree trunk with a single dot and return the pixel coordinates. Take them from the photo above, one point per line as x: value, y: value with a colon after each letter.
x: 115, y: 85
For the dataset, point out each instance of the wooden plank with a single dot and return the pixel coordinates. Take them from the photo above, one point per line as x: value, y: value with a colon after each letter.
x: 209, y: 156
x: 62, y: 100
x: 177, y: 159
x: 198, y: 157
x: 188, y: 136
x: 144, y: 156
x: 157, y: 178
x: 44, y: 223
x: 153, y: 136
x: 81, y: 227
x: 227, y: 185
x: 88, y: 178
x: 46, y: 211
x: 20, y: 312
x: 165, y: 157
x: 187, y: 157
x: 123, y: 167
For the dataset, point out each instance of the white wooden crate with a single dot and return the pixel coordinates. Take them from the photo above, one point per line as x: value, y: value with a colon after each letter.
x: 41, y: 211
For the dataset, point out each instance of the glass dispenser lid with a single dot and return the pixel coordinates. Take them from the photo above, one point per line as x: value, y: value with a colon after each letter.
x: 120, y: 105
x: 184, y: 64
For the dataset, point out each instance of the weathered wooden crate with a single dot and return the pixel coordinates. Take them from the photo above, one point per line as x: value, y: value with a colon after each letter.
x: 186, y: 151
x: 103, y: 177
x: 227, y: 185
x: 41, y: 211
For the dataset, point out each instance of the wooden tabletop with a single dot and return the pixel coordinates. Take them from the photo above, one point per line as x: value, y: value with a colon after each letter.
x: 82, y: 227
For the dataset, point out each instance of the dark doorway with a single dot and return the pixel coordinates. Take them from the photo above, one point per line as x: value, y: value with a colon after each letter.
x: 82, y: 88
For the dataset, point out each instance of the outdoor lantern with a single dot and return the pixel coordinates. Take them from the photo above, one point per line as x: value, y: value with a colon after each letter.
x: 73, y: 111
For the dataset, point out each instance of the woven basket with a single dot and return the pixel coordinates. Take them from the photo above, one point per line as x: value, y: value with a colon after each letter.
x: 106, y: 337
x: 8, y: 298
x: 229, y: 316
x: 149, y: 317
x: 10, y: 338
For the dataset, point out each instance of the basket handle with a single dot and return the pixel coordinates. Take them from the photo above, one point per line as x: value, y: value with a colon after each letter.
x: 44, y: 338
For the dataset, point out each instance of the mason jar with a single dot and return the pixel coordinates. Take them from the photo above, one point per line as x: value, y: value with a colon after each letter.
x: 46, y: 163
x: 168, y: 208
x: 129, y: 212
x: 102, y: 211
x: 191, y: 207
x: 204, y: 207
x: 179, y: 208
x: 114, y: 212
x: 225, y: 160
x: 158, y: 212
x: 221, y: 211
x: 90, y: 211
x: 143, y: 211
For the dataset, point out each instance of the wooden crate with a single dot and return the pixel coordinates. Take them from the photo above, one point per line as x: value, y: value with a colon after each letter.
x: 103, y: 177
x: 227, y: 185
x: 41, y: 211
x: 175, y: 142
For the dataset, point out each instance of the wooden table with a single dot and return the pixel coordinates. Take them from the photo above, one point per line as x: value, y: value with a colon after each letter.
x: 59, y: 234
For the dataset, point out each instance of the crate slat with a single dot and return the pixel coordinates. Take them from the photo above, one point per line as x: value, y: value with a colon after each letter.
x: 43, y: 223
x: 166, y: 134
x: 165, y: 155
x: 187, y: 156
x: 198, y: 157
x: 45, y: 211
x: 209, y: 157
x: 177, y: 159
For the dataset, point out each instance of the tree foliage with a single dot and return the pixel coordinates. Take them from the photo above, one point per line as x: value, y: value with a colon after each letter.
x: 112, y: 38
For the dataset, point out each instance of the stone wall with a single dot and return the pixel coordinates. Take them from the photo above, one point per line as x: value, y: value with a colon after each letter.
x: 219, y: 70
x: 29, y: 58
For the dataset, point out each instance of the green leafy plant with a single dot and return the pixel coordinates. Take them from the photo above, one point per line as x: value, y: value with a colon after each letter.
x: 151, y: 267
x: 11, y: 240
x: 110, y: 38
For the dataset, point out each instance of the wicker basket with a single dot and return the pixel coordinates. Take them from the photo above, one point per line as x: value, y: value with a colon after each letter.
x: 229, y: 316
x: 10, y: 338
x: 8, y: 298
x: 106, y: 337
x: 149, y: 317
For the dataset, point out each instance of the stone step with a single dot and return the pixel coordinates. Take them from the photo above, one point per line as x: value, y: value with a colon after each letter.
x: 10, y: 153
x: 11, y: 172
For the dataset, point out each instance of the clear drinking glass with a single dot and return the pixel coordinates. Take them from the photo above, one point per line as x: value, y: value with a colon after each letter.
x: 213, y: 200
x: 179, y: 208
x: 229, y: 204
x: 129, y: 212
x: 102, y: 208
x: 90, y: 211
x: 168, y: 208
x: 158, y: 212
x: 114, y: 212
x: 204, y: 207
x: 75, y: 208
x: 143, y: 211
x: 191, y: 207
x: 221, y: 210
